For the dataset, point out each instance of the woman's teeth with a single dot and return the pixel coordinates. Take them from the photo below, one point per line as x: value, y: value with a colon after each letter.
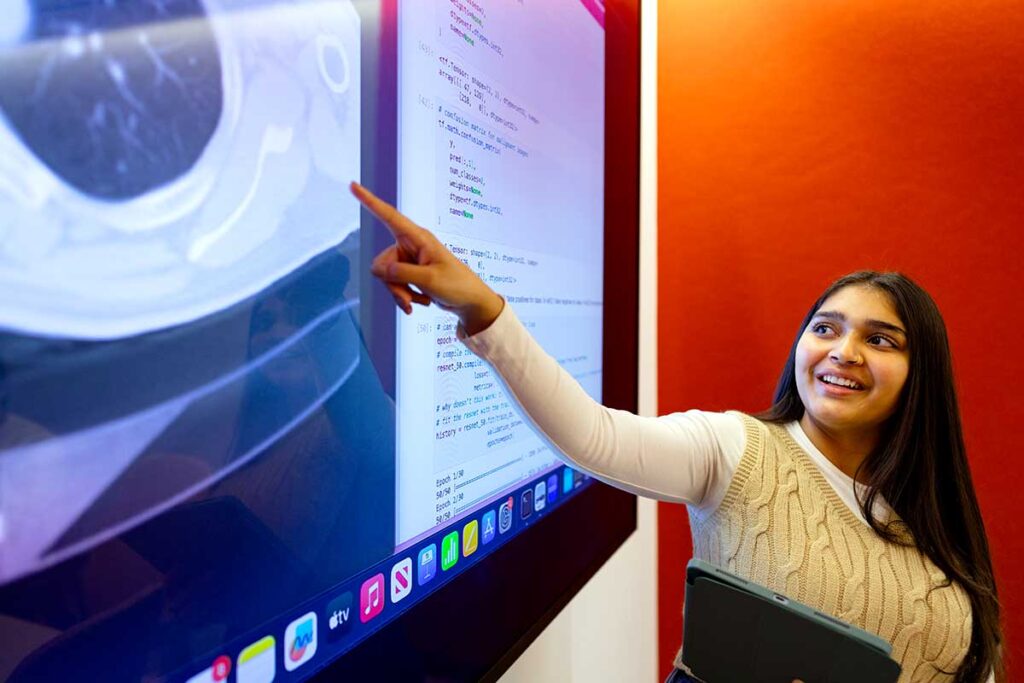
x: 840, y: 382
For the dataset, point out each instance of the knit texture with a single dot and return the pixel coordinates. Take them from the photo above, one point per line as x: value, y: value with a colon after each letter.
x: 783, y: 526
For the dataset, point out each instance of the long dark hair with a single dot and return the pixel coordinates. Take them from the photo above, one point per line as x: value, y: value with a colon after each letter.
x: 920, y: 466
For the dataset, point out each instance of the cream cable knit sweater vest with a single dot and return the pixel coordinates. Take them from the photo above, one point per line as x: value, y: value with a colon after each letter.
x: 783, y: 526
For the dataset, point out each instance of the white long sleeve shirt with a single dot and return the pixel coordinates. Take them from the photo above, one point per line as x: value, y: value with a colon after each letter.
x: 687, y: 457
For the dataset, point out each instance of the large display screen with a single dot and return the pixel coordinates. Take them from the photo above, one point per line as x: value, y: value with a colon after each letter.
x: 224, y: 455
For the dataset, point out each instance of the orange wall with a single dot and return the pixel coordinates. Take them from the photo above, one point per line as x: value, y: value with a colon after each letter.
x: 801, y: 140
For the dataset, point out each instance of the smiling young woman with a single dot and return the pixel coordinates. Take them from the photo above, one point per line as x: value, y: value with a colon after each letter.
x: 851, y: 494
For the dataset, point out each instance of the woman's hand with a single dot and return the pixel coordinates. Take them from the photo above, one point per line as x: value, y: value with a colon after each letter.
x: 417, y: 258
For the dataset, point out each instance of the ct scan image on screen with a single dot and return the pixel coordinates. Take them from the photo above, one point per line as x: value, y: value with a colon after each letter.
x: 214, y: 464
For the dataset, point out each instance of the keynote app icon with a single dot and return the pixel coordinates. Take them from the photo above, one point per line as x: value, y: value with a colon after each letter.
x: 427, y: 564
x: 401, y: 580
x: 300, y: 641
x: 371, y: 598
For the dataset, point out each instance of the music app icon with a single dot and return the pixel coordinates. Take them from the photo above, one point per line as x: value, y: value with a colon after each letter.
x: 371, y: 598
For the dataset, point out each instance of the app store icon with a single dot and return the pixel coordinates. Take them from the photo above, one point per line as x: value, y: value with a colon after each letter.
x: 489, y: 522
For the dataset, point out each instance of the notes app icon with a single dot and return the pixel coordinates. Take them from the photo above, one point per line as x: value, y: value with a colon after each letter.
x: 258, y: 662
x: 371, y: 598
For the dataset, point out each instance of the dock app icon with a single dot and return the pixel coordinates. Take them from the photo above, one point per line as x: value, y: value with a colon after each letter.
x: 505, y: 515
x: 427, y: 564
x: 526, y: 503
x: 300, y: 641
x: 401, y: 580
x: 470, y: 538
x: 339, y: 616
x: 489, y: 523
x: 552, y: 488
x: 258, y: 662
x: 540, y: 493
x: 449, y: 551
x: 371, y: 598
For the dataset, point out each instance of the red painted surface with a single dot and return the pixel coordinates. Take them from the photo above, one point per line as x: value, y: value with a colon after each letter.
x: 803, y: 140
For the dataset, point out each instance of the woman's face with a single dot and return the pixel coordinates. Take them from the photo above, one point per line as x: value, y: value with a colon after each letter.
x: 852, y: 361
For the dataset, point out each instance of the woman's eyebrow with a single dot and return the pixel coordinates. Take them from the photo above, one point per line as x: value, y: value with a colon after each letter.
x: 889, y: 327
x: 874, y: 324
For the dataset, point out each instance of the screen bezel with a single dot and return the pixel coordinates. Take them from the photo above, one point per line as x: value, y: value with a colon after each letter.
x: 475, y: 627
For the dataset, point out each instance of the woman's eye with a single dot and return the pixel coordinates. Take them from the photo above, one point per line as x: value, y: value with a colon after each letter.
x: 879, y: 340
x: 821, y: 328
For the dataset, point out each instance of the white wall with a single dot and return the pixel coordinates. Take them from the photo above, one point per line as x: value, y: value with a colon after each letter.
x: 609, y: 631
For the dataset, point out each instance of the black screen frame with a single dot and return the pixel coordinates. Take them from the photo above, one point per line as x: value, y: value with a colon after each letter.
x: 477, y: 626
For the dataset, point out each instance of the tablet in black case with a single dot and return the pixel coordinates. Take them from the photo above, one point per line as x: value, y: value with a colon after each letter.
x: 735, y: 630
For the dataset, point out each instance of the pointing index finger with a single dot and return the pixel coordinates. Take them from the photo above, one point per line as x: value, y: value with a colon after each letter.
x: 399, y: 225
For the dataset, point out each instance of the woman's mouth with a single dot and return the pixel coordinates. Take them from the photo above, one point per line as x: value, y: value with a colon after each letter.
x: 837, y: 384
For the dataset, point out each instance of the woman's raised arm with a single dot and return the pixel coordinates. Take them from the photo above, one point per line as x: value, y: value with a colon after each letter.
x: 685, y: 457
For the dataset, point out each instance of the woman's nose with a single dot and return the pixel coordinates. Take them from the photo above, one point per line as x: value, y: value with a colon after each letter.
x: 845, y: 352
